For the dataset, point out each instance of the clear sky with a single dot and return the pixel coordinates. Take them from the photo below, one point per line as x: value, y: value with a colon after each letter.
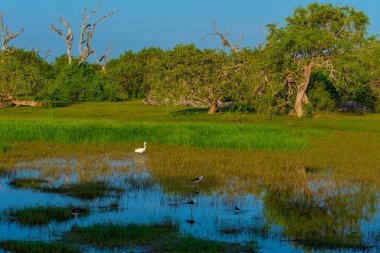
x: 161, y: 23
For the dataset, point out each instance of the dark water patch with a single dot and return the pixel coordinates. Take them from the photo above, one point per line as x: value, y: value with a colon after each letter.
x: 37, y: 247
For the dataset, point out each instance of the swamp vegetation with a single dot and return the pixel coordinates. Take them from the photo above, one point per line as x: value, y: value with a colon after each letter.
x: 70, y: 180
x: 310, y: 181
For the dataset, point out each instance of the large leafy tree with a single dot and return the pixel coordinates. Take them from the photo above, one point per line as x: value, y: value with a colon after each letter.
x: 187, y: 73
x: 23, y: 72
x: 128, y: 74
x: 311, y: 39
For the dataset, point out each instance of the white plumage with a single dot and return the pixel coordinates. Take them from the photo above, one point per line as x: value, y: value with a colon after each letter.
x: 140, y: 150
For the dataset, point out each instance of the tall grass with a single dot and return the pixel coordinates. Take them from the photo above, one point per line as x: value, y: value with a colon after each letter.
x: 202, y: 135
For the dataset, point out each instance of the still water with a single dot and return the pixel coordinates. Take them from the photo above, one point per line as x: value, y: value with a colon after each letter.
x: 267, y: 218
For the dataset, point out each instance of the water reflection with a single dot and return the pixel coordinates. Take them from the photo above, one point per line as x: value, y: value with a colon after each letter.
x: 306, y: 213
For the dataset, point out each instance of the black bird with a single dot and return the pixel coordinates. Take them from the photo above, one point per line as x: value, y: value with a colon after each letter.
x: 237, y: 209
x: 190, y: 221
x: 77, y: 210
x: 197, y: 179
x: 191, y: 202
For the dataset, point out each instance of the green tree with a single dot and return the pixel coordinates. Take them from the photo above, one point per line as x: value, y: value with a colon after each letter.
x: 311, y: 39
x: 128, y: 74
x: 23, y: 72
x: 77, y: 83
x: 187, y: 73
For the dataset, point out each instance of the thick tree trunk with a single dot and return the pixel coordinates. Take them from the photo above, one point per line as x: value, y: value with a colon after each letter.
x: 301, y: 97
x: 213, y: 107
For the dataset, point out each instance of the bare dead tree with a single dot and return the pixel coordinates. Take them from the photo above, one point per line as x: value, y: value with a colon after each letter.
x: 224, y: 38
x: 102, y: 61
x: 6, y: 36
x: 68, y: 38
x: 87, y: 31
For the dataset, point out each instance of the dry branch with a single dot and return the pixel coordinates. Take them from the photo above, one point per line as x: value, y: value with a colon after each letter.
x: 68, y: 38
x: 224, y: 38
x: 6, y: 36
x: 87, y: 31
x: 102, y: 61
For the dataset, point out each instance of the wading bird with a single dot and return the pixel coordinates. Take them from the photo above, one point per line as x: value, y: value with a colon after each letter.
x: 191, y: 221
x: 77, y: 210
x: 191, y: 202
x: 237, y: 209
x: 140, y: 150
x: 197, y: 179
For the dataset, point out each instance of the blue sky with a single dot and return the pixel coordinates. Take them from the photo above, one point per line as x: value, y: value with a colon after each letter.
x: 161, y: 23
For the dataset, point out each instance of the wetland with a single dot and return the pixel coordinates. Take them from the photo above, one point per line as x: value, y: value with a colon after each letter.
x: 70, y: 180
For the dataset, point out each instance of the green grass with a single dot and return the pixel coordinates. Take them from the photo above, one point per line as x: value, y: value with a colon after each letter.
x: 162, y: 237
x: 41, y: 215
x: 37, y: 247
x: 3, y: 148
x: 82, y: 190
x: 27, y: 183
x: 201, y: 135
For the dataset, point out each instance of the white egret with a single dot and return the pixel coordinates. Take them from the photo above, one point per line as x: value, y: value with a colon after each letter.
x: 140, y: 150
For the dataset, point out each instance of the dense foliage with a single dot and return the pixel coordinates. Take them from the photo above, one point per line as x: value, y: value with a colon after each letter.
x: 321, y: 56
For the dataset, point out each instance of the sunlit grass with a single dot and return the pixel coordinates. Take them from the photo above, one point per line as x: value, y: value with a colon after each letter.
x: 202, y: 135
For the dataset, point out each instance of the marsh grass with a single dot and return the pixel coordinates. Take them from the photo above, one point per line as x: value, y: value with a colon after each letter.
x: 3, y: 148
x: 41, y: 215
x: 201, y: 135
x: 163, y: 237
x: 37, y: 247
x: 83, y: 190
x: 27, y: 183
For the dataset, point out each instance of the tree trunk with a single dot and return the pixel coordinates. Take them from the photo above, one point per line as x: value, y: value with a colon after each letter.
x: 213, y: 106
x: 301, y: 97
x: 69, y: 57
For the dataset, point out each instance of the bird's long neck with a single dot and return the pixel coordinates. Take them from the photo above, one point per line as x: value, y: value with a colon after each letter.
x: 144, y: 146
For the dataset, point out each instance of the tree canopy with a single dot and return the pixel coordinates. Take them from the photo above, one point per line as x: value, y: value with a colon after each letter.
x: 321, y: 56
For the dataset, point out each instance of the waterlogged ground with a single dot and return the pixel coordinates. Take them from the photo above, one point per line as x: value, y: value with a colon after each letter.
x: 315, y: 213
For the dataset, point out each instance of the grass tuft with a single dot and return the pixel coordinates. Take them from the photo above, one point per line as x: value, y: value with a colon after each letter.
x: 37, y: 247
x: 36, y: 216
x: 83, y: 190
x: 163, y: 237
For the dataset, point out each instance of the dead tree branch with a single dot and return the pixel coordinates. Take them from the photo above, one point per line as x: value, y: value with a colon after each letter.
x: 87, y: 32
x: 6, y: 36
x: 224, y: 38
x: 68, y: 38
x: 102, y: 61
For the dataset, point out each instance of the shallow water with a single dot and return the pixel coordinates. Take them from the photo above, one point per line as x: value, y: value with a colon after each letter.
x: 264, y: 218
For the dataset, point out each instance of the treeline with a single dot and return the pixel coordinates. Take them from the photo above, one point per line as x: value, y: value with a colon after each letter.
x: 322, y: 56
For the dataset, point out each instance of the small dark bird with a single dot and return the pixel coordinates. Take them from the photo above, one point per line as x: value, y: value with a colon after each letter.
x: 77, y: 210
x: 191, y: 202
x: 191, y: 222
x: 237, y: 209
x: 197, y: 179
